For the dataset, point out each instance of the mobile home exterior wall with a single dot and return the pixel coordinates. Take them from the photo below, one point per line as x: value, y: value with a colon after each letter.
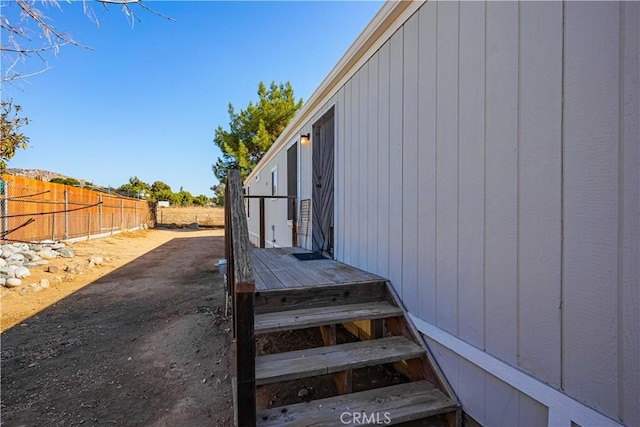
x: 487, y: 163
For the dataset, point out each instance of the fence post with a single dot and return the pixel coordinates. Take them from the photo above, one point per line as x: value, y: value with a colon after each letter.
x: 53, y: 228
x: 100, y: 212
x: 121, y: 213
x: 5, y: 210
x: 66, y: 214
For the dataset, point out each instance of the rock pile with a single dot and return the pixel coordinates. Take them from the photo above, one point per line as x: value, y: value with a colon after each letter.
x: 17, y: 258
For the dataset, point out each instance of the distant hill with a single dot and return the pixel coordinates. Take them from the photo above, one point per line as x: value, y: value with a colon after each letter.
x: 40, y: 174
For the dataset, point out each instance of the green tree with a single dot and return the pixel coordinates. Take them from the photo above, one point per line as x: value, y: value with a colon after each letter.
x: 201, y: 200
x: 135, y: 188
x: 183, y: 198
x: 159, y: 186
x: 218, y: 190
x: 12, y: 138
x: 66, y: 181
x: 166, y: 196
x: 252, y: 131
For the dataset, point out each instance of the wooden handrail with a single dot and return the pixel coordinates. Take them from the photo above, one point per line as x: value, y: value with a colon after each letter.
x: 241, y: 286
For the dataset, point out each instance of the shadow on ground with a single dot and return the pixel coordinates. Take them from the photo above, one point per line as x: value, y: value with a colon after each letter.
x: 146, y: 344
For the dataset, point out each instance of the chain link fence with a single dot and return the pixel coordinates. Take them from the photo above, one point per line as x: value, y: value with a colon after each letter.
x: 33, y: 210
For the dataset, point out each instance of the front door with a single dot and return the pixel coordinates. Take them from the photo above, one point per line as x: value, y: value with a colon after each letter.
x: 323, y: 188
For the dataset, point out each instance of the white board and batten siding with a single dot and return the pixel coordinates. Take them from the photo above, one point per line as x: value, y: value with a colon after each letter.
x: 506, y: 144
x: 487, y: 163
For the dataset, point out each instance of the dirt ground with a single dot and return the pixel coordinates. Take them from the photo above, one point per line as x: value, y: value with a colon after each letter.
x: 138, y: 340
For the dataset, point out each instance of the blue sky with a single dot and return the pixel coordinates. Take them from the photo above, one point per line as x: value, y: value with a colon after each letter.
x: 147, y: 99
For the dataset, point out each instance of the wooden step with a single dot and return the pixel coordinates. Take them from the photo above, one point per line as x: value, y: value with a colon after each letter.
x: 319, y: 316
x: 388, y: 405
x: 335, y: 358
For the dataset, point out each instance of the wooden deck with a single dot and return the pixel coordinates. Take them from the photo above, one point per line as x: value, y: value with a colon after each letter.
x: 277, y: 268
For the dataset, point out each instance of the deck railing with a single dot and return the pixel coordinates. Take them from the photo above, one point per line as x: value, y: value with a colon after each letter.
x: 241, y: 287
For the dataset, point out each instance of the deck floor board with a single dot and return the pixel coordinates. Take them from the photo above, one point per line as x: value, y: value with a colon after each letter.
x: 277, y: 268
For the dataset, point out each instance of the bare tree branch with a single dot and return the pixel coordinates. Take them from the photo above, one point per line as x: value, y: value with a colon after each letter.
x: 144, y: 6
x: 19, y: 43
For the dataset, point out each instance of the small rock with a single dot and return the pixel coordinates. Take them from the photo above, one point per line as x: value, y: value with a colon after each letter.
x: 303, y: 392
x: 69, y: 277
x: 52, y: 269
x: 3, y: 281
x: 13, y: 282
x: 44, y: 283
x: 41, y: 262
x: 35, y: 247
x: 22, y: 272
x: 2, y: 262
x: 96, y: 260
x: 21, y: 247
x: 56, y: 280
x: 47, y: 254
x: 65, y: 252
x: 194, y: 226
x: 57, y: 246
x: 29, y: 255
x: 8, y: 271
x: 35, y: 287
x: 15, y: 258
x: 48, y: 242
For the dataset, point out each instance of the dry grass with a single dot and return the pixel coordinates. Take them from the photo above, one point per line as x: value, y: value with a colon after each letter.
x: 208, y: 217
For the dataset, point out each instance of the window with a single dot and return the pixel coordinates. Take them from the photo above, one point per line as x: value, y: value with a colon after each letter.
x: 274, y: 181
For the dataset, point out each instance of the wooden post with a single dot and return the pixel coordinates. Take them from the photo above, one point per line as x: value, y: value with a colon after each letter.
x: 294, y: 226
x: 66, y: 214
x: 53, y: 228
x: 100, y: 212
x: 245, y: 354
x: 262, y: 223
x: 5, y: 211
x: 240, y: 278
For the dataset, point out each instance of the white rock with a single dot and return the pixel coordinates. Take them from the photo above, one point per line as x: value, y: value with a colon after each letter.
x: 13, y: 282
x: 97, y: 260
x: 22, y: 272
x: 47, y: 254
x: 2, y: 262
x: 3, y: 281
x: 15, y: 258
x: 30, y: 255
x: 21, y: 247
x: 58, y: 246
x: 44, y: 283
x: 65, y: 252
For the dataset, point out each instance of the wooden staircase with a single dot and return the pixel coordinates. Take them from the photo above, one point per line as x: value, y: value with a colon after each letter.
x: 390, y: 338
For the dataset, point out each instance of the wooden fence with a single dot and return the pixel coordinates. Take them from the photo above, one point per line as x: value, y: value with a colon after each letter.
x: 34, y: 210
